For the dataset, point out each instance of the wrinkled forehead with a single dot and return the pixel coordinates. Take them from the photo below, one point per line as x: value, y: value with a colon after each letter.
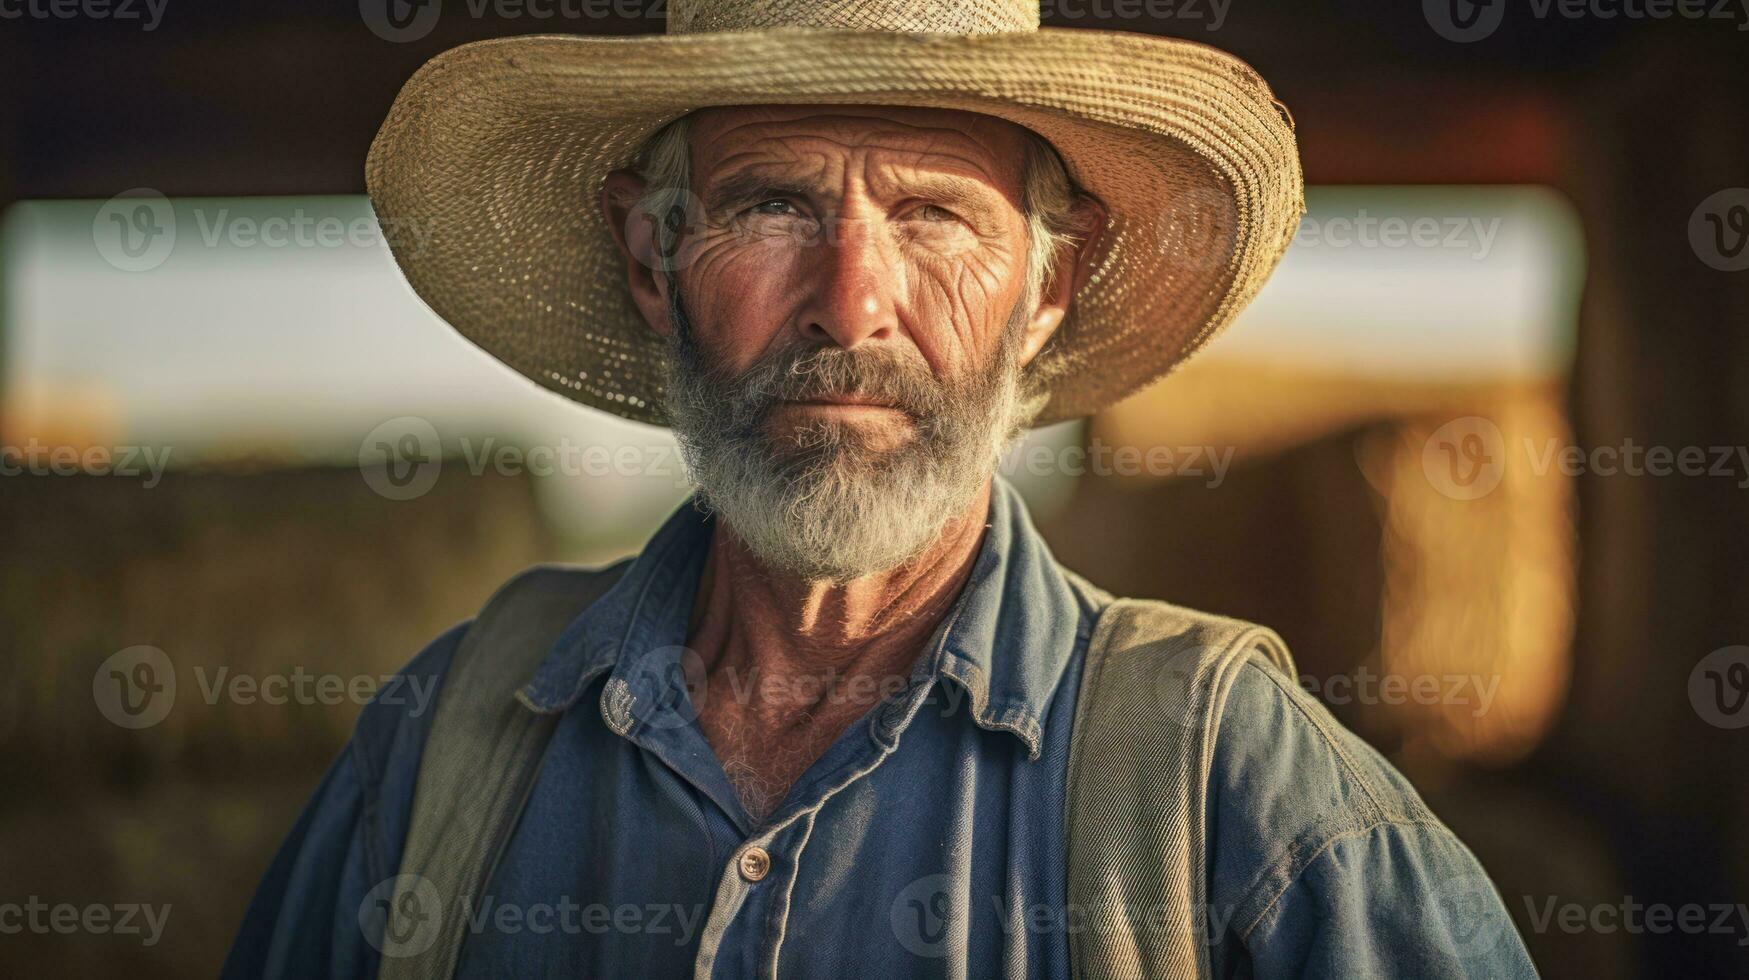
x: 966, y: 143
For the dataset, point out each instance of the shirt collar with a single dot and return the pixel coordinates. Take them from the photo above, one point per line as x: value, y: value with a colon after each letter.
x: 1016, y: 626
x: 1006, y: 641
x: 652, y: 601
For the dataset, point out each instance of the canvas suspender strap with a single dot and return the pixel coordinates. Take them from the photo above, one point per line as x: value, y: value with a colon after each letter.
x: 1152, y: 690
x: 478, y: 767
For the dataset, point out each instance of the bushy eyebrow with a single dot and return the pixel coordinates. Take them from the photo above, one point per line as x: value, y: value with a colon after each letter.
x: 973, y: 198
x: 748, y: 187
x: 744, y: 188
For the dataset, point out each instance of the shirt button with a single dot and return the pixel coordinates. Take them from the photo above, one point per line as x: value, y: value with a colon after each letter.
x: 755, y: 863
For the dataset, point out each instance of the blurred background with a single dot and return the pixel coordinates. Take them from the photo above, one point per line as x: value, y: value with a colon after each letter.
x: 1476, y: 452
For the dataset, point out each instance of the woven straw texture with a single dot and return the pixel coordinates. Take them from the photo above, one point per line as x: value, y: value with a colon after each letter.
x: 486, y: 173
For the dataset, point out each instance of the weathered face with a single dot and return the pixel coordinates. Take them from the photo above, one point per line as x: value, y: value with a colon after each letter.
x: 856, y: 228
x: 848, y: 310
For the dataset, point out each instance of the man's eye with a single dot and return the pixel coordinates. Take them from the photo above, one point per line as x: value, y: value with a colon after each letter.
x: 935, y: 212
x: 773, y: 206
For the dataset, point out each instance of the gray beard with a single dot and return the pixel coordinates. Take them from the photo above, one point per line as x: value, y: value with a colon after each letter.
x: 820, y: 502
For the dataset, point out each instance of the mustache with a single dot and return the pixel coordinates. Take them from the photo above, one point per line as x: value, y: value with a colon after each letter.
x: 827, y: 373
x: 813, y: 373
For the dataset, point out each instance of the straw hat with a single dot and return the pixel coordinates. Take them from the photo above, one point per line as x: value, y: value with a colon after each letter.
x: 486, y: 173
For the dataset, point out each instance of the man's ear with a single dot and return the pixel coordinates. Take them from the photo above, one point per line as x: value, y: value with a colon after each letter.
x: 1073, y: 265
x: 634, y: 231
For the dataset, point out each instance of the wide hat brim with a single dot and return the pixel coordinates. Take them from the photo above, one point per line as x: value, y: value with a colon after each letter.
x: 486, y: 175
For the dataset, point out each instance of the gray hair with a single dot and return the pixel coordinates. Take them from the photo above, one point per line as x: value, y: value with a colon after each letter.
x: 1047, y: 194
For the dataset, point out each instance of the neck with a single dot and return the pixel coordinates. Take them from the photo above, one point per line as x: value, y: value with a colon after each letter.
x: 791, y: 662
x: 749, y: 615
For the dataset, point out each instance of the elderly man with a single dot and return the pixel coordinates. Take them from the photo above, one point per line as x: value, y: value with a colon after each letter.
x: 845, y: 715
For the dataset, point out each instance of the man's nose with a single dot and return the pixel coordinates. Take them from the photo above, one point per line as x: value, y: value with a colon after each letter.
x: 853, y: 293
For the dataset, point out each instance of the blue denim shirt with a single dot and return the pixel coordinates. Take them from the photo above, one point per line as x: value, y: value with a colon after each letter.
x: 927, y: 841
